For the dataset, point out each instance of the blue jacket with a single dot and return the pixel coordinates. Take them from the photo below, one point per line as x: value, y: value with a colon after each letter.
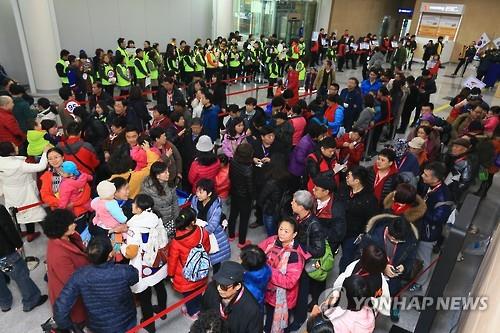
x: 256, y: 282
x: 338, y: 121
x: 366, y: 86
x: 439, y: 207
x: 106, y: 294
x: 210, y: 121
x: 214, y: 226
x: 409, y: 164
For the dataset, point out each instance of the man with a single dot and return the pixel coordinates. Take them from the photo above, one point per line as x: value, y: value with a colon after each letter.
x: 411, y: 46
x: 116, y: 137
x: 109, y: 302
x: 140, y: 68
x: 62, y: 67
x: 121, y: 109
x: 175, y: 131
x: 14, y: 267
x: 75, y: 78
x: 466, y: 58
x: 250, y: 111
x: 227, y: 295
x: 383, y: 176
x: 325, y: 77
x: 352, y: 101
x: 461, y: 124
x: 187, y: 149
x: 21, y: 110
x: 67, y: 106
x: 463, y: 166
x: 9, y: 127
x: 168, y: 94
x: 98, y: 95
x: 80, y: 152
x: 210, y: 115
x: 334, y: 114
x: 399, y: 57
x: 426, y: 87
x: 272, y: 74
x: 439, y: 204
x: 322, y: 162
x: 371, y: 84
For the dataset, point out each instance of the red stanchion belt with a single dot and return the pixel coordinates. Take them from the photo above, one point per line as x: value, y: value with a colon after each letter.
x: 20, y: 209
x: 415, y: 279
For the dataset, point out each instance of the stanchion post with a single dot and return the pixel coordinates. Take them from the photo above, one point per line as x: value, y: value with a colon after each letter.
x: 368, y: 144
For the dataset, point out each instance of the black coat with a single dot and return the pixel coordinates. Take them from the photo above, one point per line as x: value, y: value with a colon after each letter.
x: 177, y: 97
x: 9, y: 237
x: 105, y: 97
x: 333, y: 221
x: 241, y: 177
x: 359, y: 209
x: 269, y: 198
x: 243, y: 316
x: 310, y: 229
x: 141, y: 110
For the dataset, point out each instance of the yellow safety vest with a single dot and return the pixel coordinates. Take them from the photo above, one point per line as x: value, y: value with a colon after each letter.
x: 301, y: 68
x: 124, y: 53
x: 209, y: 59
x: 187, y: 67
x: 122, y: 81
x: 138, y: 73
x: 63, y: 79
x: 153, y: 69
x: 108, y: 74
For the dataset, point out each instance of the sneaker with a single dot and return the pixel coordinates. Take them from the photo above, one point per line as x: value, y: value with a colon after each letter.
x: 395, y: 315
x: 42, y: 300
x: 157, y: 309
x: 150, y: 328
x: 415, y: 287
x: 247, y: 242
x: 31, y: 237
x: 6, y: 310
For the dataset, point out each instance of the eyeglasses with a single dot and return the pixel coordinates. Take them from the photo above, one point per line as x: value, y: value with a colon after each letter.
x: 224, y: 287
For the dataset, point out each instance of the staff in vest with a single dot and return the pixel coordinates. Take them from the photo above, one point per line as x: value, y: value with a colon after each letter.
x: 234, y: 62
x: 107, y: 74
x: 159, y: 59
x: 294, y: 52
x: 300, y: 67
x: 120, y: 51
x: 171, y: 61
x: 272, y: 75
x: 322, y: 162
x: 223, y: 59
x: 212, y: 63
x: 152, y: 64
x: 123, y: 77
x: 140, y: 68
x: 187, y: 66
x: 249, y: 59
x: 199, y: 61
x: 62, y: 67
x: 130, y: 60
x: 302, y: 47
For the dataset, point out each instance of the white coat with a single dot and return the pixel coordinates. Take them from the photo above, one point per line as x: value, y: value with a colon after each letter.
x: 18, y: 186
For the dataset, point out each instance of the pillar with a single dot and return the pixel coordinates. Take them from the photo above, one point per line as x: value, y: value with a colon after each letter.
x: 39, y: 37
x: 223, y: 16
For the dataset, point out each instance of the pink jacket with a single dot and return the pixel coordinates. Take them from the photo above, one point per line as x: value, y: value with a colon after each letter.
x: 347, y: 321
x: 139, y: 156
x: 290, y: 280
x: 229, y: 144
x: 108, y: 214
x: 299, y: 124
x: 71, y: 190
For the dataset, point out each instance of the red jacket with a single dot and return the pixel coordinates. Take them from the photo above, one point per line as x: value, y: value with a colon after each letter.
x: 290, y: 280
x: 293, y: 85
x: 354, y: 155
x: 198, y: 171
x: 63, y: 259
x: 299, y: 124
x: 178, y: 252
x: 9, y: 128
x: 83, y: 150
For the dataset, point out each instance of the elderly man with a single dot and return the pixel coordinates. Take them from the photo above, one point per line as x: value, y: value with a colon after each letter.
x: 9, y: 128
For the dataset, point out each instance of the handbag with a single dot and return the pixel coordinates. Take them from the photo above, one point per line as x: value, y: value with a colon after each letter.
x: 214, y: 245
x: 325, y: 262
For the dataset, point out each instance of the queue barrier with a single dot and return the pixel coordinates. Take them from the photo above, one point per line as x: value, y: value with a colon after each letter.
x: 167, y: 310
x: 31, y: 261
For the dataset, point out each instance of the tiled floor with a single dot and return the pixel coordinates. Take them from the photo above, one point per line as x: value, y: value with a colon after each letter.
x: 16, y: 321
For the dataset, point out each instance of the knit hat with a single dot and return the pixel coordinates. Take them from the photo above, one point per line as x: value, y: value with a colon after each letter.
x: 106, y: 189
x: 204, y: 144
x: 417, y: 143
x: 462, y: 142
x: 70, y: 168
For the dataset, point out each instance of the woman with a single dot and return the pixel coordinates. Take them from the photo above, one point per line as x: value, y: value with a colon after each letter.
x: 432, y: 141
x: 235, y: 135
x: 18, y: 186
x: 94, y: 131
x: 107, y: 74
x: 49, y: 191
x: 242, y: 192
x: 406, y: 202
x: 145, y: 236
x: 137, y: 102
x: 122, y: 195
x: 286, y: 259
x: 208, y: 208
x: 219, y: 88
x: 65, y: 254
x: 206, y: 164
x: 187, y: 236
x: 165, y: 198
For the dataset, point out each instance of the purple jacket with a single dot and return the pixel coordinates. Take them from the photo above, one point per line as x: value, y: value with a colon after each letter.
x: 297, y: 163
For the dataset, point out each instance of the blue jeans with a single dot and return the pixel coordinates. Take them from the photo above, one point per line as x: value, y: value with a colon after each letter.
x: 270, y: 224
x: 348, y: 253
x: 21, y: 275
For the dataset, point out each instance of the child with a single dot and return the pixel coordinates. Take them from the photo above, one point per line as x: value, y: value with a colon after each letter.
x: 310, y: 78
x: 433, y: 65
x: 222, y: 183
x: 53, y: 135
x: 257, y: 274
x: 108, y: 215
x: 136, y: 152
x: 72, y: 184
x: 36, y: 140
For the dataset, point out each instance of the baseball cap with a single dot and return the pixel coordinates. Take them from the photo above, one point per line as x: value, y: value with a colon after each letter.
x: 230, y: 272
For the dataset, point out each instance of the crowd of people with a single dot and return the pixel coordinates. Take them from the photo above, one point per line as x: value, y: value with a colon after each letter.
x: 134, y: 200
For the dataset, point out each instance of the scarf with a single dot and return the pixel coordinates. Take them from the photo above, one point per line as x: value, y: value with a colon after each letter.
x: 280, y: 318
x: 56, y: 182
x: 399, y: 208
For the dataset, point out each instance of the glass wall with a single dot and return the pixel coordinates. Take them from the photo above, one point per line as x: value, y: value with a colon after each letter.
x: 288, y: 19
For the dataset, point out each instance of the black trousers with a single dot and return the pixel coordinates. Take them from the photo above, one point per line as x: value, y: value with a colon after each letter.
x: 460, y: 64
x: 405, y: 117
x: 269, y: 319
x: 300, y: 310
x: 340, y: 63
x: 145, y: 300
x: 240, y: 206
x: 316, y: 288
x: 270, y: 91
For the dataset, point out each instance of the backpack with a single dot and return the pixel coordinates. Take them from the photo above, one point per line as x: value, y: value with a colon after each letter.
x: 198, y: 263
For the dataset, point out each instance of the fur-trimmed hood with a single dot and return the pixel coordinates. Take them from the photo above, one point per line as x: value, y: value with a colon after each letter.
x: 382, y: 218
x: 413, y: 214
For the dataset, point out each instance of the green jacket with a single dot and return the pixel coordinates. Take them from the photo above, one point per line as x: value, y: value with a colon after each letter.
x: 36, y: 142
x: 23, y: 113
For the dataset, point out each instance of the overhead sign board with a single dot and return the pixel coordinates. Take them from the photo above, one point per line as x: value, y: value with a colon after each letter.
x: 442, y: 8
